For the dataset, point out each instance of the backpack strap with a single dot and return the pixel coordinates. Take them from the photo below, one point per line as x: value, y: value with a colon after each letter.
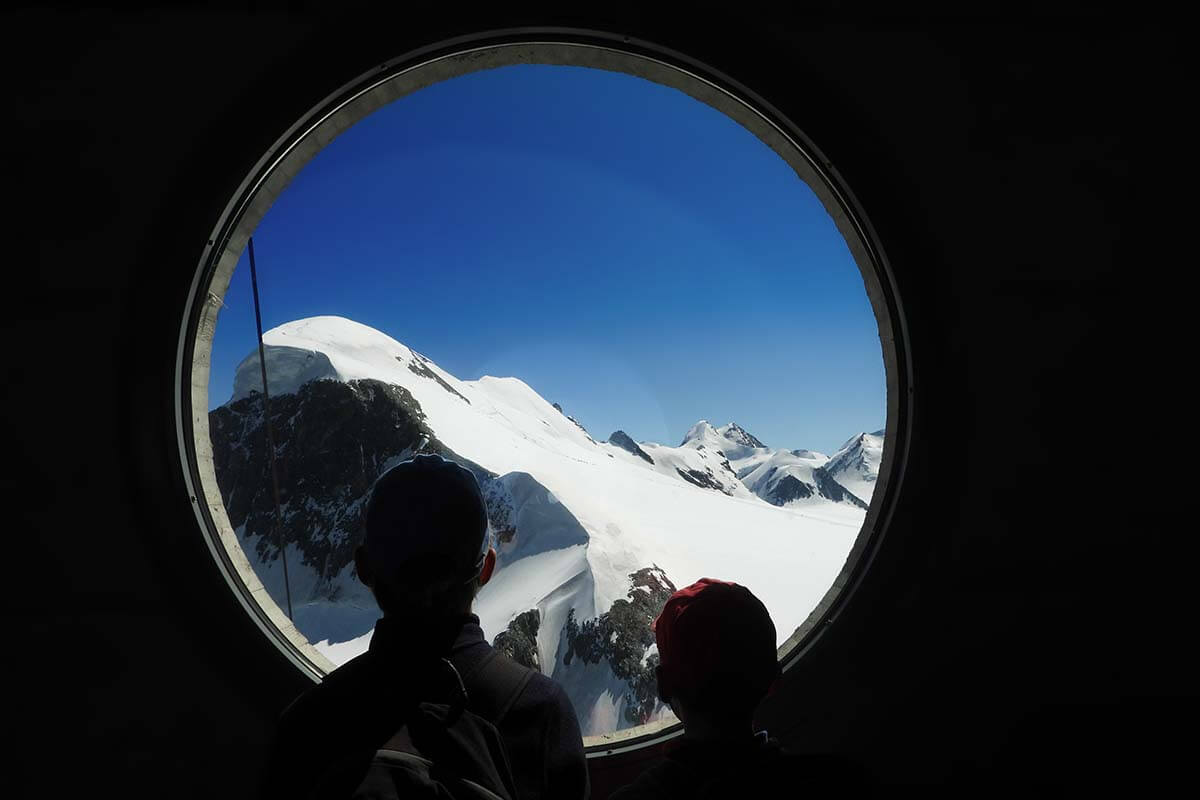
x: 494, y: 685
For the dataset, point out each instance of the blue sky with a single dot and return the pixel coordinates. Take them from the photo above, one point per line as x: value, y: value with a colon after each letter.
x: 629, y: 252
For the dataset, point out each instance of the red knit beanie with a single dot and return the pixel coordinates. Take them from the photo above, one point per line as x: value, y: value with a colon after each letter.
x: 716, y: 644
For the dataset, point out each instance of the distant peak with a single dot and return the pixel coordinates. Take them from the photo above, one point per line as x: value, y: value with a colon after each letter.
x: 736, y: 433
x: 623, y: 441
x: 853, y: 441
x: 862, y: 439
x: 701, y: 430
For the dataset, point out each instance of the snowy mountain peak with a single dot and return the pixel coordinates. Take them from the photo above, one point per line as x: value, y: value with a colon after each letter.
x: 729, y: 436
x: 700, y: 432
x: 860, y: 440
x: 321, y: 348
x: 736, y: 433
x: 856, y: 464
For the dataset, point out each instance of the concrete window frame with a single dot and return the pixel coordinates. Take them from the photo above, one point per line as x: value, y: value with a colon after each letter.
x: 444, y: 60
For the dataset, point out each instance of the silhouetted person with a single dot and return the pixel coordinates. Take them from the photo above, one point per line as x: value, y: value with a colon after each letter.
x: 716, y: 645
x: 425, y: 556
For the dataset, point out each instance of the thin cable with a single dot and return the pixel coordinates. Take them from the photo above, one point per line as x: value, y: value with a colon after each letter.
x: 262, y: 362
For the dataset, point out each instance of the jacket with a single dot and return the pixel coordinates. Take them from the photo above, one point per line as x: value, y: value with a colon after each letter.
x: 362, y: 703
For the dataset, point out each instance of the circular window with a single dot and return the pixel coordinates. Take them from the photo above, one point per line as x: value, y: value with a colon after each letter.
x: 617, y: 287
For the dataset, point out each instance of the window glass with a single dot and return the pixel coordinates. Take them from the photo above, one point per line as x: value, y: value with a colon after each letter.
x: 619, y: 307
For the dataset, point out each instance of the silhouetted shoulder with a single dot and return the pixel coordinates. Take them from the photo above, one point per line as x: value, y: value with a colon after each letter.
x: 541, y: 728
x: 541, y: 692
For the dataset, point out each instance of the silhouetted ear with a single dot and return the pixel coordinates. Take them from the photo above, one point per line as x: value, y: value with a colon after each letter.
x: 489, y: 566
x: 664, y: 690
x: 362, y: 564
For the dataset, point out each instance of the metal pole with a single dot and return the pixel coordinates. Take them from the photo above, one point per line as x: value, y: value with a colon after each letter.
x: 262, y: 362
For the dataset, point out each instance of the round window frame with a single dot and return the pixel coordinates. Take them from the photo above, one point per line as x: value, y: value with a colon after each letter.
x: 452, y: 58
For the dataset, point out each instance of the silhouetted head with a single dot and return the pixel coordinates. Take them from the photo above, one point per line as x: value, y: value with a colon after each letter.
x: 717, y: 656
x: 427, y: 550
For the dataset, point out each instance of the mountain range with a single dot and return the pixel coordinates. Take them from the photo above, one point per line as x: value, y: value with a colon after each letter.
x: 592, y: 535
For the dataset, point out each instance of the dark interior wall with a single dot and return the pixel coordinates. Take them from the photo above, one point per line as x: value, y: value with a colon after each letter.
x: 1029, y: 613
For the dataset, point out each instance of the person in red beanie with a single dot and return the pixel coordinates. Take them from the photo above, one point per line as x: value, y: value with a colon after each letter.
x: 717, y: 661
x: 717, y: 657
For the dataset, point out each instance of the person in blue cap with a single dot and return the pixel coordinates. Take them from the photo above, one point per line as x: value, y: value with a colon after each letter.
x: 426, y: 554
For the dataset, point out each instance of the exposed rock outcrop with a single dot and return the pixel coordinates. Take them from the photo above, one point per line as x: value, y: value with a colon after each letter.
x: 519, y: 640
x: 332, y: 440
x: 622, y: 636
x: 622, y: 440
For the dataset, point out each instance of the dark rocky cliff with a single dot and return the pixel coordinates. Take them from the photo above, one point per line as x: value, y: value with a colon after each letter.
x: 622, y: 440
x: 332, y: 440
x: 621, y: 636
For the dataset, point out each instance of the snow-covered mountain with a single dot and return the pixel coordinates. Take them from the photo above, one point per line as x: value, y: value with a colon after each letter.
x: 592, y: 537
x: 739, y: 436
x: 856, y: 464
x: 706, y: 467
x: 735, y: 462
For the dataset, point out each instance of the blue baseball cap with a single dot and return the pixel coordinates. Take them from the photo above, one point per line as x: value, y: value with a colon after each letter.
x: 426, y: 518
